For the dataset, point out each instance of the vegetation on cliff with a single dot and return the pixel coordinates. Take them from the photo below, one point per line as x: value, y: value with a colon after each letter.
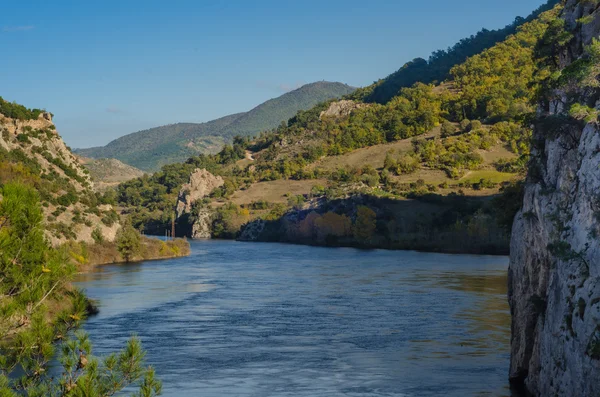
x: 39, y: 311
x: 31, y: 152
x: 554, y: 291
x: 19, y: 112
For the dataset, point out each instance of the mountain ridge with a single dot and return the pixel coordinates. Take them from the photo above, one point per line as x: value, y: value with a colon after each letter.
x: 152, y: 148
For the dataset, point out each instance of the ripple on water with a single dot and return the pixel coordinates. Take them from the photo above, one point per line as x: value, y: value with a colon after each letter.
x: 240, y: 319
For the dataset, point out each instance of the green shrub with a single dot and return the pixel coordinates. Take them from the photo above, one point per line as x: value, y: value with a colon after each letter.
x: 129, y: 242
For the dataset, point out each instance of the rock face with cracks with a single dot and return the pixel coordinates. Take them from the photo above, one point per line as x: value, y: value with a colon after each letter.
x: 554, y: 273
x: 201, y: 184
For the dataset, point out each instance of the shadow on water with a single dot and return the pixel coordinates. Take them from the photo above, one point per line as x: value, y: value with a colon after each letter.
x: 281, y: 320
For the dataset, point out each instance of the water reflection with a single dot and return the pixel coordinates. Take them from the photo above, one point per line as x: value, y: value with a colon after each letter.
x: 280, y: 320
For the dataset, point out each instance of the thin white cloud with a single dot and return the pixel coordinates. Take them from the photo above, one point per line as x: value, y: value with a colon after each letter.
x: 22, y: 28
x: 114, y: 109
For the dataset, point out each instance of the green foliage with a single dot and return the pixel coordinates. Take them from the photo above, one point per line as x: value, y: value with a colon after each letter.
x: 28, y: 267
x: 448, y: 129
x: 501, y: 82
x: 593, y: 349
x: 23, y: 138
x: 19, y: 112
x: 364, y: 225
x: 508, y: 204
x: 110, y: 218
x: 296, y: 201
x: 224, y: 221
x: 453, y: 155
x: 97, y: 236
x: 583, y: 112
x: 583, y: 72
x: 440, y: 62
x: 128, y: 242
x: 405, y: 164
x: 33, y: 274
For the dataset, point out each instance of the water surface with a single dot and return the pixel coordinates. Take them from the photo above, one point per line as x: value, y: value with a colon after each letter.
x: 248, y: 319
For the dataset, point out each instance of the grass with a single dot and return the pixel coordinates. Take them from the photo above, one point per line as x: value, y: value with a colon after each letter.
x: 274, y: 191
x: 372, y: 155
x: 492, y: 175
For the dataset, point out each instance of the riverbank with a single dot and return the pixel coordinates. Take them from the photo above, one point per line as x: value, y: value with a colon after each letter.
x: 88, y: 256
x: 424, y: 246
x: 439, y: 224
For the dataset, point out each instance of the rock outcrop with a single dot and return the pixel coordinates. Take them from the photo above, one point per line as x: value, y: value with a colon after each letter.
x: 341, y: 109
x: 201, y: 184
x: 202, y: 225
x: 41, y: 157
x: 252, y: 231
x: 554, y: 273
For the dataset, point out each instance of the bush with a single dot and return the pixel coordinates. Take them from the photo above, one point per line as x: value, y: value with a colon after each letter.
x: 23, y: 138
x: 407, y: 164
x: 464, y: 125
x: 448, y: 129
x: 128, y: 242
x: 475, y: 125
x: 97, y: 236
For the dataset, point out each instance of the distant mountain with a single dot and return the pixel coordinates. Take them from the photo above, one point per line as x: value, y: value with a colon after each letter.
x: 150, y: 149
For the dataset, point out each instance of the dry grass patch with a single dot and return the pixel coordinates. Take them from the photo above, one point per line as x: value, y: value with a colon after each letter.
x: 274, y: 191
x: 372, y: 155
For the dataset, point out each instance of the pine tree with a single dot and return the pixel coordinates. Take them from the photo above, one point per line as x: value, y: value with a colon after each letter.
x: 31, y: 275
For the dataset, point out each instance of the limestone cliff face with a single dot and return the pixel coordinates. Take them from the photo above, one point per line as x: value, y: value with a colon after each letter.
x: 201, y: 184
x: 554, y: 274
x: 58, y: 174
x: 340, y: 109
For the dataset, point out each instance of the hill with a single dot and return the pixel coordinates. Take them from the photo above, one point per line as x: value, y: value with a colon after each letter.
x: 153, y: 148
x: 52, y: 225
x: 437, y: 67
x: 109, y: 172
x: 32, y: 152
x: 435, y: 168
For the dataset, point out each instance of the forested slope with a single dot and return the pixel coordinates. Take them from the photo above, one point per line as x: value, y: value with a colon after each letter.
x: 468, y: 137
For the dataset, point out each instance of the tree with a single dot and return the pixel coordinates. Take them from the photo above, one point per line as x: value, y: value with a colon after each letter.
x: 332, y: 225
x: 448, y: 129
x: 128, y: 242
x: 97, y: 235
x: 33, y: 274
x: 365, y: 224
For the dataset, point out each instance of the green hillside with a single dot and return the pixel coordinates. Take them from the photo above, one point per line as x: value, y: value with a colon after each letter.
x: 150, y: 149
x: 437, y: 68
x: 407, y: 161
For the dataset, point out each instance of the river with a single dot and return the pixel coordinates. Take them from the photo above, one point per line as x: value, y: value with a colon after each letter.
x: 252, y: 319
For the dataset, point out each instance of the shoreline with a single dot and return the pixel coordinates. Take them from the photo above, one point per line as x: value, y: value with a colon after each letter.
x: 91, y: 256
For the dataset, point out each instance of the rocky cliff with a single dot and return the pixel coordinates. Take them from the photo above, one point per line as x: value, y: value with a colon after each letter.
x: 198, y: 224
x: 31, y: 151
x: 554, y: 273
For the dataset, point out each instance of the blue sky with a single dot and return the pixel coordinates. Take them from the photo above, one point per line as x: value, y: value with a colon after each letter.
x: 108, y: 68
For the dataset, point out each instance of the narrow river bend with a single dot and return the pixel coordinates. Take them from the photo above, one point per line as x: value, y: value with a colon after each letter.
x: 249, y: 319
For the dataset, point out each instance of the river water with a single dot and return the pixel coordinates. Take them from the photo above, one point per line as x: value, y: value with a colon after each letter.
x: 250, y: 319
